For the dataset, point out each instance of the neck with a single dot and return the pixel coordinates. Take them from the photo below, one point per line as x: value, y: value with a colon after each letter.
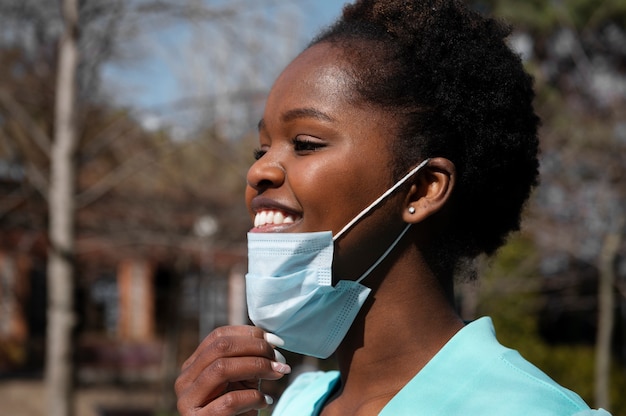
x: 407, y: 320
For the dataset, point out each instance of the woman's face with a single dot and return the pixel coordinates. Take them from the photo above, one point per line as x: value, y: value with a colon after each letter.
x: 322, y: 159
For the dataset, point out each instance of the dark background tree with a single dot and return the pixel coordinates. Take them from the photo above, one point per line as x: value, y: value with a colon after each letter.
x: 109, y: 183
x: 576, y: 52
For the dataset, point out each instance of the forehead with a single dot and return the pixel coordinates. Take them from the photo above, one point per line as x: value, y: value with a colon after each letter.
x: 316, y: 95
x: 319, y: 75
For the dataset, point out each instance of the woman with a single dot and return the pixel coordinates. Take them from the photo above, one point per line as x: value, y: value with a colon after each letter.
x: 399, y: 146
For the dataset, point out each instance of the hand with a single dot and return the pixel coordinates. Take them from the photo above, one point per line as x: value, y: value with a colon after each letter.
x: 221, y: 377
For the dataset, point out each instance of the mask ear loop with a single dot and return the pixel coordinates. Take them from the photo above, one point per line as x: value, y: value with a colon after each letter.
x: 385, y: 254
x: 380, y: 198
x: 372, y: 205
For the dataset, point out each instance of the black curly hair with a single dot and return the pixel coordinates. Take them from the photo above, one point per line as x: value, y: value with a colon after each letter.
x: 459, y: 92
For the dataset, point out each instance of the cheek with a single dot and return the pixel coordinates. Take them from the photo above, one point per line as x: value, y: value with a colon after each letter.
x: 320, y: 190
x: 335, y: 192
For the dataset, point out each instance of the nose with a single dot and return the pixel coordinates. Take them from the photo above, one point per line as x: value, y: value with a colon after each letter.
x: 264, y: 174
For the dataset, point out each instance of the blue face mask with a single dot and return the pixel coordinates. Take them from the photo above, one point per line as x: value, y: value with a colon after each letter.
x: 289, y: 286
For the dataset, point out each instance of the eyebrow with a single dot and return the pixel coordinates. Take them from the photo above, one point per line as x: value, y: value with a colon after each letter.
x: 296, y: 113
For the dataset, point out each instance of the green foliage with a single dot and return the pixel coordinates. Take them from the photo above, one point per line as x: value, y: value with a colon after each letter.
x: 543, y: 17
x: 591, y: 14
x: 510, y: 292
x: 534, y: 15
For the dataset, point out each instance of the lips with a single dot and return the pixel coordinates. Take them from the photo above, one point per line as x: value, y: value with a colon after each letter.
x: 271, y: 215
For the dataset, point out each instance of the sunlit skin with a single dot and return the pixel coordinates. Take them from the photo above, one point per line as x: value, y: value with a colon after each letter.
x: 322, y: 158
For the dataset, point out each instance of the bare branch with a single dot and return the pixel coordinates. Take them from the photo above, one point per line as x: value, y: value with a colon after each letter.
x: 122, y: 172
x: 14, y: 202
x: 118, y: 128
x: 37, y: 179
x: 113, y: 178
x: 33, y: 173
x: 186, y: 103
x: 41, y: 139
x: 185, y: 11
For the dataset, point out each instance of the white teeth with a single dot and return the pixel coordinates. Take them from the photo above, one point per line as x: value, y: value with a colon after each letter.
x: 260, y: 218
x: 272, y: 217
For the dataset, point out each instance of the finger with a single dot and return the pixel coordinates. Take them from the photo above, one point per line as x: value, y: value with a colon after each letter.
x: 243, y: 375
x: 224, y: 331
x: 225, y: 347
x: 239, y: 402
x: 227, y: 373
x: 225, y: 376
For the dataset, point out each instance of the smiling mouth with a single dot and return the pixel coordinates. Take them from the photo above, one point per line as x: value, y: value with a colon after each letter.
x: 272, y: 217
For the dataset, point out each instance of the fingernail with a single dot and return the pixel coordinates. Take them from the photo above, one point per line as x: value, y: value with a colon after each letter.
x: 279, y: 357
x: 268, y: 399
x: 274, y: 339
x: 281, y: 368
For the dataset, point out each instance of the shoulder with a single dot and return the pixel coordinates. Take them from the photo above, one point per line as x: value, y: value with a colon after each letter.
x: 527, y: 387
x: 473, y: 374
x: 306, y: 392
x: 513, y: 384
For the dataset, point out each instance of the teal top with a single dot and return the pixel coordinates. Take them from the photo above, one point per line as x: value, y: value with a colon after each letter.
x: 473, y: 374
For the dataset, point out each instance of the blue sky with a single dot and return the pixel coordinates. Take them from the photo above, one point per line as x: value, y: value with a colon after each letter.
x: 151, y: 82
x: 327, y: 11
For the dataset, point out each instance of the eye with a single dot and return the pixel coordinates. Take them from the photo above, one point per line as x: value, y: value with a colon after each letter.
x: 258, y: 153
x: 306, y: 145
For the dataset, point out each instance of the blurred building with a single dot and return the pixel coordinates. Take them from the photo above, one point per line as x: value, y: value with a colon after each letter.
x: 140, y: 308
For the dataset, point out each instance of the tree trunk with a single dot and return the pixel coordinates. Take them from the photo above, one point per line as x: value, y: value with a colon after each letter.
x: 61, y: 319
x: 606, y: 317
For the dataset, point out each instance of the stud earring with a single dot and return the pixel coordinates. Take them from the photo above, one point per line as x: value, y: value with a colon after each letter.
x: 411, y: 210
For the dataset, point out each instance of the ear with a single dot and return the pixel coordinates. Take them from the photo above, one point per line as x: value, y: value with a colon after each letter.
x: 430, y: 190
